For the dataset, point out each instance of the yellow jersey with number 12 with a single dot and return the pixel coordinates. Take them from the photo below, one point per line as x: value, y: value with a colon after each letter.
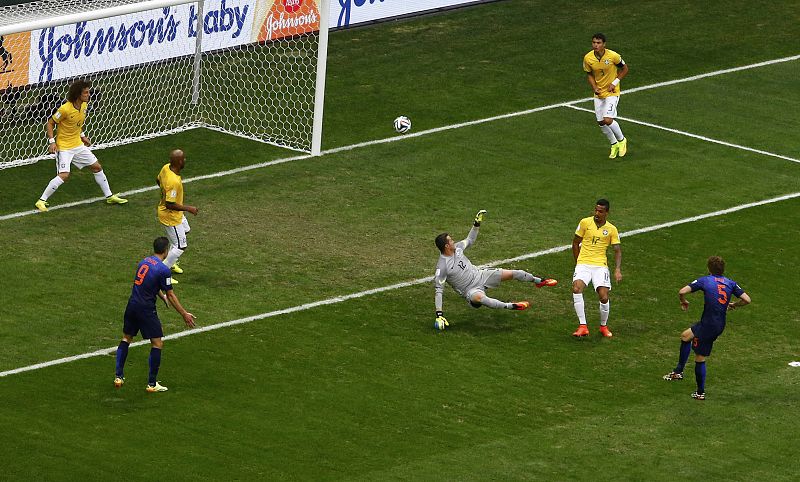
x: 595, y: 241
x: 604, y: 70
x: 171, y: 191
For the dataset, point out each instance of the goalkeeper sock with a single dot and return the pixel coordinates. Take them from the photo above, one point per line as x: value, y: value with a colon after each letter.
x: 155, y: 363
x: 520, y: 275
x: 609, y: 134
x: 102, y: 181
x: 700, y: 376
x: 52, y: 187
x: 683, y: 357
x: 617, y: 130
x: 495, y: 304
x: 122, y: 355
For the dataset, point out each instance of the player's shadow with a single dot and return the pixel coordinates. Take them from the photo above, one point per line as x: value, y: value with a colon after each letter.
x: 490, y: 322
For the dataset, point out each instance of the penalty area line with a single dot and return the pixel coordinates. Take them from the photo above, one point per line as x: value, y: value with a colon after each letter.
x: 404, y: 284
x: 434, y: 131
x: 696, y: 136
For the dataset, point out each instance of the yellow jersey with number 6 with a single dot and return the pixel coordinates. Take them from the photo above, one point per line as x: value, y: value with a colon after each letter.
x: 595, y: 241
x: 604, y: 70
x: 171, y: 191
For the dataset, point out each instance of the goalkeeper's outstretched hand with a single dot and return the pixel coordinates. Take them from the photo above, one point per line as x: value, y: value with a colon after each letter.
x: 441, y: 322
x: 479, y: 218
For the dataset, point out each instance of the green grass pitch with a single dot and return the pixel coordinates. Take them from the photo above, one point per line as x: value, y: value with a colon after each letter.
x: 366, y: 389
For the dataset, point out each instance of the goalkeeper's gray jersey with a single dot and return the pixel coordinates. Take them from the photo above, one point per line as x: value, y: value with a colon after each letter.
x: 457, y: 270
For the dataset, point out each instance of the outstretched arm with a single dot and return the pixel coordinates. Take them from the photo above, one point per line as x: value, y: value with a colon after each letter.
x: 188, y: 318
x: 743, y: 300
x: 473, y: 233
x: 438, y: 285
x: 682, y: 296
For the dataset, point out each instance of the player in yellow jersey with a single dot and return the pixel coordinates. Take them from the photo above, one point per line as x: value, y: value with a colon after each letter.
x: 592, y: 238
x: 171, y: 208
x: 604, y: 70
x: 71, y: 146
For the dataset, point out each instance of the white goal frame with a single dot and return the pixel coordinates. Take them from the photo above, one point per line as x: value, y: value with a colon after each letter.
x: 316, y: 119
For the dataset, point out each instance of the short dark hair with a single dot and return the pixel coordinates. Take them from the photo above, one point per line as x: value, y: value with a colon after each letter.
x: 716, y: 265
x: 76, y: 89
x: 599, y: 36
x: 441, y: 241
x: 160, y: 245
x: 604, y: 203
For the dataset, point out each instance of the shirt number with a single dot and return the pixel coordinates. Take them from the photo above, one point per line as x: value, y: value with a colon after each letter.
x: 141, y: 274
x: 721, y: 290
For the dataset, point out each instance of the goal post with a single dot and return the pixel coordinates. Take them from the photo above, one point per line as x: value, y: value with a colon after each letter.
x: 251, y: 68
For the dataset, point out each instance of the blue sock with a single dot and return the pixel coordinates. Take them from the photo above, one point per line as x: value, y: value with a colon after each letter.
x: 155, y: 362
x: 686, y: 348
x: 122, y: 355
x: 700, y: 375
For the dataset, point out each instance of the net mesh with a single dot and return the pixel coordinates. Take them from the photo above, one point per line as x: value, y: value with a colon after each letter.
x: 256, y: 79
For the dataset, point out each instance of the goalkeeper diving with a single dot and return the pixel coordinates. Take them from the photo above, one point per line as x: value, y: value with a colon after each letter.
x: 472, y: 282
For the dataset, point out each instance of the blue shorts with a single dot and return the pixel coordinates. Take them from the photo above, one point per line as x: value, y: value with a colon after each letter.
x: 144, y: 319
x: 704, y: 336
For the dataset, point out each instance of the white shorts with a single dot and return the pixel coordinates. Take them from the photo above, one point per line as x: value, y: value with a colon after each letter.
x: 598, y: 275
x: 177, y: 234
x: 606, y: 107
x: 490, y: 278
x: 81, y: 156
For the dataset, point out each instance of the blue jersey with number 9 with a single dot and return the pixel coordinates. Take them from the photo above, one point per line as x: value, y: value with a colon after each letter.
x: 151, y: 276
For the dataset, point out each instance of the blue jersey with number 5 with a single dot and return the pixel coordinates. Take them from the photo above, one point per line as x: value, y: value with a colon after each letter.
x: 717, y: 291
x: 151, y: 276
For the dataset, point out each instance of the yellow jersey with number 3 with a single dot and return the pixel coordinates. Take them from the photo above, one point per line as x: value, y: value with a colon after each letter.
x: 604, y: 70
x: 595, y: 241
x: 171, y: 191
x: 70, y: 124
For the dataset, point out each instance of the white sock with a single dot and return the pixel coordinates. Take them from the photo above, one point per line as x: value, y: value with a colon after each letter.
x: 493, y: 303
x: 607, y: 131
x: 52, y: 187
x: 617, y: 130
x: 172, y: 257
x: 577, y: 300
x: 100, y: 179
x: 604, y: 310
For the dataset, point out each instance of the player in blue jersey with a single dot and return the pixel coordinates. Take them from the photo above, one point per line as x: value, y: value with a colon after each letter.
x: 717, y: 291
x: 151, y: 278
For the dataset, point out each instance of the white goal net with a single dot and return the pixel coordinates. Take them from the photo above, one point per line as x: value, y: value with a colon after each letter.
x: 255, y: 69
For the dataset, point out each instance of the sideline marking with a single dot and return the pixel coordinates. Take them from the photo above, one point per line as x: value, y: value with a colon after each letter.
x: 404, y: 284
x: 435, y: 130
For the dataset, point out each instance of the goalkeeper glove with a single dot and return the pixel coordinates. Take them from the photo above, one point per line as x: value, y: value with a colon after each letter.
x: 479, y: 218
x: 441, y: 322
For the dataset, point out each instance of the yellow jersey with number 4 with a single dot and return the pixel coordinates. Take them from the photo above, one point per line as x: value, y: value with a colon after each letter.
x: 171, y: 191
x: 70, y: 124
x: 595, y: 241
x: 604, y: 70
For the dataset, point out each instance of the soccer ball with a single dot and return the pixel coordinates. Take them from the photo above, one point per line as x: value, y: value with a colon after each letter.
x: 402, y: 124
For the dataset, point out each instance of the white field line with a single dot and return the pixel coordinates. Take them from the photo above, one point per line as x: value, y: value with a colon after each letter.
x: 696, y: 136
x: 427, y: 132
x: 711, y: 74
x: 404, y: 284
